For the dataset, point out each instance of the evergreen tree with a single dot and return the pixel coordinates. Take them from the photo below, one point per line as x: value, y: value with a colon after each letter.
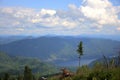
x: 27, y: 74
x: 80, y: 51
x: 20, y: 77
x: 6, y: 77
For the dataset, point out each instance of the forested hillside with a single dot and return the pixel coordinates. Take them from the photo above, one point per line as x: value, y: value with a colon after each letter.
x: 31, y: 59
x: 15, y: 65
x: 57, y: 48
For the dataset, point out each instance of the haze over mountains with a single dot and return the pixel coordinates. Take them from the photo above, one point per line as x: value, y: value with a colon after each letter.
x: 9, y: 39
x: 4, y: 39
x: 58, y: 49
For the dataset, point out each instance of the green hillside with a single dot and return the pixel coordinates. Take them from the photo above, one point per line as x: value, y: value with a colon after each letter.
x: 15, y: 65
x: 58, y: 49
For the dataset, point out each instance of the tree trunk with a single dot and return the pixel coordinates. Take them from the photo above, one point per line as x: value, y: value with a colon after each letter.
x: 79, y: 60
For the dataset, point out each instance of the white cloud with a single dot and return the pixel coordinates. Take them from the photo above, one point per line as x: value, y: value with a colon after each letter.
x: 16, y: 23
x: 92, y: 16
x: 47, y: 11
x: 118, y: 28
x: 101, y: 11
x: 20, y: 29
x: 72, y: 6
x: 7, y: 10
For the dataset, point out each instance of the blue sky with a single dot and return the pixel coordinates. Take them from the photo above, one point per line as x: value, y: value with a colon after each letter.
x: 49, y: 4
x: 59, y: 17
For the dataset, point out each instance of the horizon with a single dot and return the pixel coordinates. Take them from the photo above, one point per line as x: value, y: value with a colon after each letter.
x: 64, y: 17
x: 109, y: 37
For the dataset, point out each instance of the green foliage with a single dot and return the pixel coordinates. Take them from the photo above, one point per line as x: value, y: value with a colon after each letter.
x: 77, y: 77
x: 84, y: 70
x: 80, y: 49
x: 115, y: 73
x: 102, y: 75
x: 6, y: 76
x: 20, y: 77
x: 98, y: 73
x: 82, y: 73
x: 27, y: 74
x: 101, y: 72
x: 15, y: 65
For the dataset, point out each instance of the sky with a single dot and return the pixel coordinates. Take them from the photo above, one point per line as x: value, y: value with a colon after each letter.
x: 59, y: 17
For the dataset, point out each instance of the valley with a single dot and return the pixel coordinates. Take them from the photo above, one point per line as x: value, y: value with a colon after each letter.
x: 46, y: 55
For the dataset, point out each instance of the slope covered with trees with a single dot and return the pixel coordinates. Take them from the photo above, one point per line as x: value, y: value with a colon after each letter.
x: 102, y: 69
x: 58, y: 48
x: 15, y: 65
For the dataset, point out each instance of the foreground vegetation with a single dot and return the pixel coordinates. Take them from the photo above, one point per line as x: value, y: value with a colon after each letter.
x: 98, y: 72
x: 14, y: 66
x: 107, y: 70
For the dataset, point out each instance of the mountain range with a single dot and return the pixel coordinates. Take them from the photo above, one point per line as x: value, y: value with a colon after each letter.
x: 58, y: 49
x: 9, y: 39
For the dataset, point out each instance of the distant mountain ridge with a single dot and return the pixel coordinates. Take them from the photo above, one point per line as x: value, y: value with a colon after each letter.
x: 9, y: 39
x: 61, y: 48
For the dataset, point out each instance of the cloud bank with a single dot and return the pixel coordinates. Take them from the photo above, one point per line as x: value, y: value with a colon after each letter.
x: 92, y: 17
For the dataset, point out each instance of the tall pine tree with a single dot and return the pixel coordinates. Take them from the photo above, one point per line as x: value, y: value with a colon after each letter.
x: 80, y: 51
x: 6, y: 76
